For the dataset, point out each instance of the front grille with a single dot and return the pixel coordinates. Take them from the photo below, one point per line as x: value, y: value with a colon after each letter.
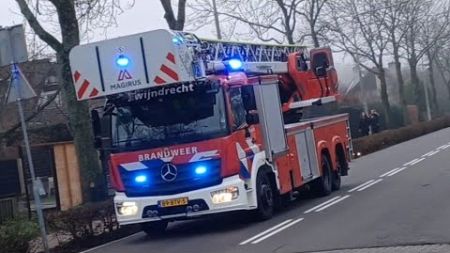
x: 186, y: 179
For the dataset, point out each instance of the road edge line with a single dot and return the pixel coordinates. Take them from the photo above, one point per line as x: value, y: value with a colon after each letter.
x: 265, y: 232
x: 277, y: 231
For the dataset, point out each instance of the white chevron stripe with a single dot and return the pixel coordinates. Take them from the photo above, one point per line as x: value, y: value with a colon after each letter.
x: 134, y: 166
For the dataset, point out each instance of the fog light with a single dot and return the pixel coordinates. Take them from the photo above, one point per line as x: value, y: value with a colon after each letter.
x: 127, y: 208
x: 225, y: 195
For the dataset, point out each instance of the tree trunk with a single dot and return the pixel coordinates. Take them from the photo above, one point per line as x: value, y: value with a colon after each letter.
x: 447, y: 84
x: 79, y: 116
x: 432, y: 83
x: 314, y: 36
x: 80, y: 124
x: 418, y: 91
x: 401, y: 85
x: 384, y: 96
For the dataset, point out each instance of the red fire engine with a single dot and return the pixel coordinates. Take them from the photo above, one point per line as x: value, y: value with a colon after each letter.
x: 198, y: 127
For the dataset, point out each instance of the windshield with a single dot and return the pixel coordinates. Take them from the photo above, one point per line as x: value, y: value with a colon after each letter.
x: 169, y: 119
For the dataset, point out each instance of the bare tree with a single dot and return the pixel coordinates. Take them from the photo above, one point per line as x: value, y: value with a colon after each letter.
x: 175, y: 23
x: 312, y: 11
x: 432, y: 49
x: 396, y: 30
x: 442, y: 61
x: 71, y: 15
x: 280, y: 21
x: 359, y: 31
x: 419, y: 26
x: 270, y: 21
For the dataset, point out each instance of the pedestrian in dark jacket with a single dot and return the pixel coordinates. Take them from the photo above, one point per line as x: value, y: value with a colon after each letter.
x: 374, y: 121
x: 364, y: 123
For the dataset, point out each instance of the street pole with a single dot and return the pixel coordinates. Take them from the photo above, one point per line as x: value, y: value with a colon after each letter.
x: 216, y: 20
x: 427, y: 102
x: 37, y: 200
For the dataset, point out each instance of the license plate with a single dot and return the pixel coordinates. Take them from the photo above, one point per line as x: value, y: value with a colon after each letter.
x: 173, y: 202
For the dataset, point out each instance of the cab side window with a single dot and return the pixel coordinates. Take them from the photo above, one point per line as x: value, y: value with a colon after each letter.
x: 237, y: 106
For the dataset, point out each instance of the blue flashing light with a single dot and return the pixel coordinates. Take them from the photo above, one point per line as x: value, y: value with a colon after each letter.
x: 122, y: 61
x: 177, y: 40
x: 200, y: 170
x: 235, y: 64
x: 140, y: 179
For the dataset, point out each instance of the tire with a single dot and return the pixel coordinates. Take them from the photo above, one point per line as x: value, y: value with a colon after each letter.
x: 336, y: 183
x: 265, y: 196
x: 154, y: 228
x: 336, y: 180
x: 323, y: 185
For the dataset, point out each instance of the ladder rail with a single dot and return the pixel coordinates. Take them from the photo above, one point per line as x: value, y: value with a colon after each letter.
x: 217, y: 50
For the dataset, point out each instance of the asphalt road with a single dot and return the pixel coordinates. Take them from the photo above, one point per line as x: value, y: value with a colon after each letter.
x: 398, y: 196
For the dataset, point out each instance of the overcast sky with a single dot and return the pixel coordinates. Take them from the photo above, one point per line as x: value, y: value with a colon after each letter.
x: 144, y: 16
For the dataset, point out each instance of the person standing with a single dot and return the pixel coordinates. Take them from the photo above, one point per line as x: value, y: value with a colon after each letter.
x: 364, y: 123
x: 374, y: 121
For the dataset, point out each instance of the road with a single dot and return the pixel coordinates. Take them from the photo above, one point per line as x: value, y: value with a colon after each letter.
x: 395, y: 197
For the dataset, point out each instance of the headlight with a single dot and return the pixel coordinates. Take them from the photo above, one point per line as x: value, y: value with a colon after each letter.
x: 225, y: 195
x: 127, y: 208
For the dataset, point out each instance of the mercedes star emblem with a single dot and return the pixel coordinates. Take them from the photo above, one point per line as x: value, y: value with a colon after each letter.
x: 169, y: 172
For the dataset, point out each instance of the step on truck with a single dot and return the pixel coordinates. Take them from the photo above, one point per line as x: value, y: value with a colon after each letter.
x: 196, y: 127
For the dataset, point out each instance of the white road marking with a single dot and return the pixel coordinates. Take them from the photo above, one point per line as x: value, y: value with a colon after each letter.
x: 434, y: 152
x: 361, y: 185
x: 332, y: 203
x: 418, y: 161
x: 369, y: 185
x: 109, y: 243
x: 397, y: 171
x: 428, y: 154
x: 389, y: 172
x: 265, y: 232
x: 320, y: 205
x: 412, y: 161
x: 277, y: 231
x: 442, y: 147
x: 446, y: 146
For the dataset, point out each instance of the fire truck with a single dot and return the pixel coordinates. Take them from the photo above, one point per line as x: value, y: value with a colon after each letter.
x: 198, y: 127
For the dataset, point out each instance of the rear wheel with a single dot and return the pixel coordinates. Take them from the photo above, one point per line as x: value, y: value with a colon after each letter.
x: 265, y: 196
x: 336, y: 180
x: 154, y: 228
x: 323, y: 185
x: 341, y: 165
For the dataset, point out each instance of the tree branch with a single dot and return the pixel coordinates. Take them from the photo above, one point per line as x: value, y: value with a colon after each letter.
x: 30, y: 117
x: 38, y: 29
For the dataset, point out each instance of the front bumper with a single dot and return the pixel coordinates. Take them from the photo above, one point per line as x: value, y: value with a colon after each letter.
x: 245, y: 201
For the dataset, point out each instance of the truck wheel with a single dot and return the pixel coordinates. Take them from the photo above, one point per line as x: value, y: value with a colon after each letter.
x: 154, y: 228
x: 323, y: 185
x: 336, y: 180
x: 265, y: 196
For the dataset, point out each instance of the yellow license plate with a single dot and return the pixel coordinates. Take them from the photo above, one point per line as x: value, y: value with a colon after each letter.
x: 173, y: 202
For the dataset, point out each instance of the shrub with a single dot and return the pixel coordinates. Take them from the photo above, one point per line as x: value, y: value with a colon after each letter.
x: 84, y: 221
x: 15, y: 235
x: 369, y: 144
x: 87, y: 226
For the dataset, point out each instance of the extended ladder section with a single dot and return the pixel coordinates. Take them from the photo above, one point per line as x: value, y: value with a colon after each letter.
x: 256, y: 58
x: 162, y: 57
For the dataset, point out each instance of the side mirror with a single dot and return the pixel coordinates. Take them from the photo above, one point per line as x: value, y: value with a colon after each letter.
x: 97, y: 128
x: 252, y: 119
x: 321, y: 71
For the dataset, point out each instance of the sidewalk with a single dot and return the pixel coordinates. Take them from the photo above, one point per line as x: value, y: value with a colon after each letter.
x: 429, y: 248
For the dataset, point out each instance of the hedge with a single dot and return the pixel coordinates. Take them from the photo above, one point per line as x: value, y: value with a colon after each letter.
x: 88, y: 225
x: 372, y: 143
